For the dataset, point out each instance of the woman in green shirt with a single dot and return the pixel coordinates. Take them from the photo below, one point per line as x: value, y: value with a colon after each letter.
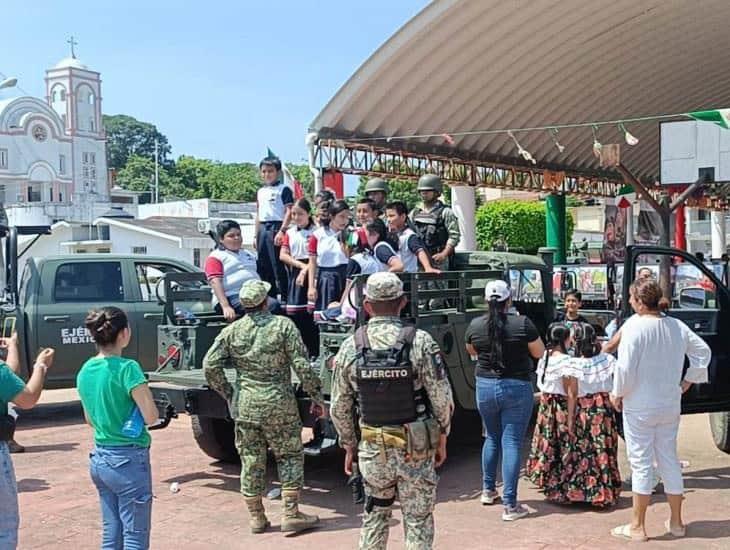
x: 116, y: 401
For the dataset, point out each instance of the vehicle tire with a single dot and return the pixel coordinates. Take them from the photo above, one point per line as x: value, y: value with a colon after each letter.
x: 215, y: 437
x: 720, y: 426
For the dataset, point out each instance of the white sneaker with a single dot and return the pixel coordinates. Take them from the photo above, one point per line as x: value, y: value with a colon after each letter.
x: 489, y: 497
x: 512, y: 513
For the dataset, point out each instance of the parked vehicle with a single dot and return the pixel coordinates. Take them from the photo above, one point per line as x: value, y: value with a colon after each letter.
x: 179, y: 383
x: 48, y: 303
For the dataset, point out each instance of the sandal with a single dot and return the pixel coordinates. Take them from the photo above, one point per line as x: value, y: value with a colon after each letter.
x: 624, y: 532
x: 675, y: 531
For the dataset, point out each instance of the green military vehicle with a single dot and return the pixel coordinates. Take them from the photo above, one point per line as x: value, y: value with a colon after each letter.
x: 179, y: 384
x: 47, y: 304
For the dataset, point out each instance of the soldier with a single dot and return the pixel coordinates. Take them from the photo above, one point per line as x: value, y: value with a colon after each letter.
x: 394, y: 376
x: 376, y: 189
x: 263, y: 349
x: 435, y: 222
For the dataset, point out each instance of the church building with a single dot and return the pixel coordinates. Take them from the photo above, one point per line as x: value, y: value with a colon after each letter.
x: 53, y: 150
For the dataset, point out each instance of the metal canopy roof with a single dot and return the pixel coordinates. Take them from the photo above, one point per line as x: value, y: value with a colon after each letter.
x: 462, y: 65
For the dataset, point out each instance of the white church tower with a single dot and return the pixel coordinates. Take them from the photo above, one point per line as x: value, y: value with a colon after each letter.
x: 53, y: 164
x: 74, y: 93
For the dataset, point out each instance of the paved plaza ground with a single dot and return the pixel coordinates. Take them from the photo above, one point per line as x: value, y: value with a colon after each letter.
x: 59, y: 507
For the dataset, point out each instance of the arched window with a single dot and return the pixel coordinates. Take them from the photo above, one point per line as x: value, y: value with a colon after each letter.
x: 63, y: 94
x: 54, y: 96
x: 92, y: 98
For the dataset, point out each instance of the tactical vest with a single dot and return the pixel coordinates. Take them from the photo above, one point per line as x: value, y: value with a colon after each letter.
x: 385, y: 378
x: 431, y: 228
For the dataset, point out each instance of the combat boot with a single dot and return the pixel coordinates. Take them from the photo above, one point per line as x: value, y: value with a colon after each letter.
x: 258, y: 521
x: 295, y: 521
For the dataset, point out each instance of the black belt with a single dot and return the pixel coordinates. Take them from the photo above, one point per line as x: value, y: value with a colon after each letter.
x: 274, y: 225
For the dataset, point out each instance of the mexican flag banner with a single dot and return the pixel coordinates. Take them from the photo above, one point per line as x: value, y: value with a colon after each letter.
x: 721, y: 117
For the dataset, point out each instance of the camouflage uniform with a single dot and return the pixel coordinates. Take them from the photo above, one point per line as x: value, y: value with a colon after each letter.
x: 385, y: 469
x: 263, y: 348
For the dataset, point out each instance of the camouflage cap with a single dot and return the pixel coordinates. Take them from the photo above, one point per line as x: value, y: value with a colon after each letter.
x: 253, y: 292
x: 383, y: 287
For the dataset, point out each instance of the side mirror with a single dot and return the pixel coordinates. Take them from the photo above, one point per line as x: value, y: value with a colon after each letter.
x: 696, y: 298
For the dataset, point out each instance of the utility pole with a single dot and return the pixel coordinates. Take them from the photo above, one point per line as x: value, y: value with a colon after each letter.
x: 157, y: 173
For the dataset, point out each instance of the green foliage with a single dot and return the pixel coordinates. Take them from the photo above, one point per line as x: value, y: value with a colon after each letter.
x: 138, y: 174
x: 127, y: 136
x: 303, y: 174
x: 521, y: 224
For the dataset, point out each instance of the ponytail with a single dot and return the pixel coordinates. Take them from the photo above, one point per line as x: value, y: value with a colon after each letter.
x: 558, y: 334
x: 496, y: 321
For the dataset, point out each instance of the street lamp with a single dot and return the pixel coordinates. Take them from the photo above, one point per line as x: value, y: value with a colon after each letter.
x: 8, y: 83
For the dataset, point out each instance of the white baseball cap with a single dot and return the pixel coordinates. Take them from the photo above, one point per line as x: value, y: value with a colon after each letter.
x: 497, y: 289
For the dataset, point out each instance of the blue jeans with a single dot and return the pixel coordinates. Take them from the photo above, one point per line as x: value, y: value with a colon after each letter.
x: 124, y: 481
x: 9, y: 517
x: 505, y: 406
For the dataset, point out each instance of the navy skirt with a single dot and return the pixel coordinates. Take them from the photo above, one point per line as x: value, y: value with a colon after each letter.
x: 296, y: 298
x: 330, y: 285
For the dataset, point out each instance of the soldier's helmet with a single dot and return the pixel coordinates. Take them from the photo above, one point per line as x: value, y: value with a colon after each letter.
x: 430, y: 182
x: 253, y: 292
x: 376, y: 184
x: 383, y: 287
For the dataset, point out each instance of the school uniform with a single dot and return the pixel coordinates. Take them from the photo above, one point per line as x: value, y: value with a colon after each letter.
x: 272, y: 202
x: 234, y: 269
x: 325, y: 248
x: 409, y: 245
x: 296, y: 240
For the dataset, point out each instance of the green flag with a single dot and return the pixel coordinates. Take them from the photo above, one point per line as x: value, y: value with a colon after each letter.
x: 721, y: 117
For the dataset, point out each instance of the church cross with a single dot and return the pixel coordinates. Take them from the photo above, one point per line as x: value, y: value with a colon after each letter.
x: 73, y: 43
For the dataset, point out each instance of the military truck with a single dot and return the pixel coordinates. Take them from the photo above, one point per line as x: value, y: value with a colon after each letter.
x: 179, y: 383
x: 48, y: 303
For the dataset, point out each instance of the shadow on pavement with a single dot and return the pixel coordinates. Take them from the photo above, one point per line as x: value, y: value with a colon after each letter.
x: 717, y: 478
x: 32, y: 485
x: 708, y: 529
x: 62, y: 447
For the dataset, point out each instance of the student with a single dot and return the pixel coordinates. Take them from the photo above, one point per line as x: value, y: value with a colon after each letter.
x: 25, y: 396
x: 274, y: 201
x: 596, y: 480
x: 411, y: 249
x: 553, y: 455
x: 328, y: 260
x: 114, y: 395
x: 380, y: 255
x: 573, y: 303
x: 295, y: 255
x: 322, y: 201
x: 227, y: 268
x: 365, y: 212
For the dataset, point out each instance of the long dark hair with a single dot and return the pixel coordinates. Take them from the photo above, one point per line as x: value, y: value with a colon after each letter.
x: 496, y: 321
x: 378, y: 227
x: 334, y: 208
x: 557, y: 334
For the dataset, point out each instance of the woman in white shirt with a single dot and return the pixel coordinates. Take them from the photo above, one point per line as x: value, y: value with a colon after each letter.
x: 648, y: 386
x: 549, y: 465
x: 597, y: 479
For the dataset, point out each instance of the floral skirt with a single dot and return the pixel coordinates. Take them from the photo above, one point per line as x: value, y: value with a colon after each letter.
x: 581, y: 467
x: 551, y: 448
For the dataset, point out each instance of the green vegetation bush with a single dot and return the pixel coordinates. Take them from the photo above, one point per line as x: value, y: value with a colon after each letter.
x: 521, y: 224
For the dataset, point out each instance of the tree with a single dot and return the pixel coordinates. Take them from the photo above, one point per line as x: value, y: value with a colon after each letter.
x: 138, y: 174
x: 127, y: 136
x: 520, y: 223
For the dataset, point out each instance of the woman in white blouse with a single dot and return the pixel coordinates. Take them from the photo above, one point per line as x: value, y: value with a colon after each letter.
x: 648, y: 386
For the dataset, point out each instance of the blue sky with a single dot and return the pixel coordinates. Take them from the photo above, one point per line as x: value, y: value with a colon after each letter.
x: 222, y: 79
